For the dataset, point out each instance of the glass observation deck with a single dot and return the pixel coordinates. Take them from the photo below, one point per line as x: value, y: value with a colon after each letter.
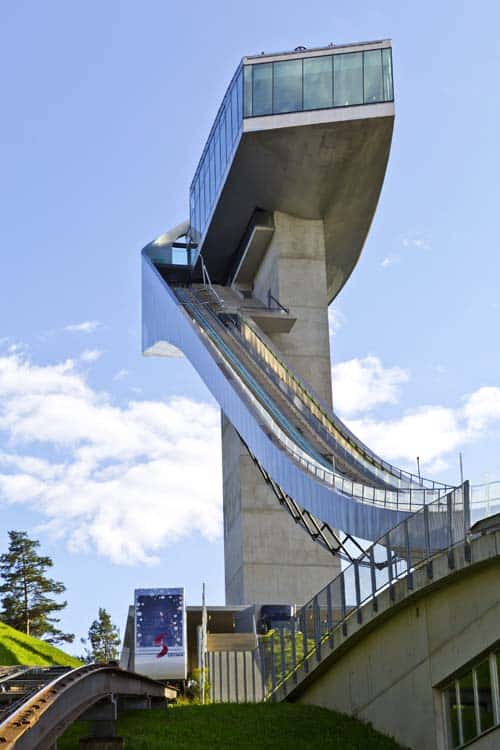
x: 281, y: 84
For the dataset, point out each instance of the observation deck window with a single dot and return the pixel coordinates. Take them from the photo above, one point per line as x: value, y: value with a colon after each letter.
x: 287, y: 86
x: 343, y: 79
x: 216, y: 156
x: 312, y: 82
x: 373, y: 83
x: 262, y: 89
x: 318, y: 83
x: 348, y: 80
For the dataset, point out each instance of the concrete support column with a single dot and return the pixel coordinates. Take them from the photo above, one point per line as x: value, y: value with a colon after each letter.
x: 294, y: 269
x: 268, y: 558
x: 102, y: 727
x: 134, y: 703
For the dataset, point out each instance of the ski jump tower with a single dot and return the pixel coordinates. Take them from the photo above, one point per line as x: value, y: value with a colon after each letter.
x: 280, y: 206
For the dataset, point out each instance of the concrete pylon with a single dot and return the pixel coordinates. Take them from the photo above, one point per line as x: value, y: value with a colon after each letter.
x: 268, y: 559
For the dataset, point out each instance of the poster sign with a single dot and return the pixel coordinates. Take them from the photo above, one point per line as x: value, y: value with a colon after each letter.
x: 160, y: 633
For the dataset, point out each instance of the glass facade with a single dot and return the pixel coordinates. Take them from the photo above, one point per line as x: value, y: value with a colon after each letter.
x: 472, y: 702
x: 336, y: 80
x: 265, y: 88
x: 216, y: 155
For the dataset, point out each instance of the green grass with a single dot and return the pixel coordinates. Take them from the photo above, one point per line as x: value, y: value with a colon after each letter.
x: 272, y: 643
x: 281, y: 726
x: 18, y: 648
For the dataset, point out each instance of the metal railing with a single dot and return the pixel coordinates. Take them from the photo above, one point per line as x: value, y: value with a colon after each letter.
x: 288, y: 436
x: 330, y: 422
x: 408, y: 547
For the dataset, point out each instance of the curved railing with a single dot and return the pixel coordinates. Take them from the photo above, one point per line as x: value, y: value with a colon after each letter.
x: 396, y: 556
x: 335, y: 428
x: 295, y: 444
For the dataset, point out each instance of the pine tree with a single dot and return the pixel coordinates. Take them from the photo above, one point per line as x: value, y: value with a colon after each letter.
x: 27, y: 603
x: 104, y: 638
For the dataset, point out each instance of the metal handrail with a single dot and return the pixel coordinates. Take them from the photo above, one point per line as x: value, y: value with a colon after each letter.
x: 290, y: 439
x: 334, y: 422
x: 394, y: 557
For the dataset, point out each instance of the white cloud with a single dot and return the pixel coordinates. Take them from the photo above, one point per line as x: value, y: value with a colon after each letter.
x: 416, y: 241
x: 91, y: 355
x: 16, y: 348
x: 336, y: 320
x: 389, y: 260
x: 88, y: 326
x: 482, y: 408
x: 429, y: 432
x: 361, y: 384
x: 124, y: 480
x: 432, y: 432
x: 120, y: 375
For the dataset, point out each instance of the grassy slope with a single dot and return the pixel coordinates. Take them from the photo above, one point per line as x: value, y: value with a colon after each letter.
x: 282, y: 726
x: 18, y: 648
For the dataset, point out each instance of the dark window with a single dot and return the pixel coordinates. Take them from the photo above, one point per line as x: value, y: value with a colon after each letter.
x: 467, y: 710
x: 453, y: 713
x: 318, y: 82
x: 484, y: 695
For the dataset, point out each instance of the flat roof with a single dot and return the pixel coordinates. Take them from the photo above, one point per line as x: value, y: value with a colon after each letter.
x: 302, y: 51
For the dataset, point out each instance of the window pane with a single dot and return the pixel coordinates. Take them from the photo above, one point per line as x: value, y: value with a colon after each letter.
x: 223, y: 144
x: 235, y: 115
x: 228, y: 129
x: 248, y: 90
x: 262, y: 89
x: 374, y: 90
x: 485, y: 696
x: 387, y: 73
x: 217, y: 155
x: 451, y: 702
x: 179, y: 256
x: 287, y: 86
x: 239, y: 94
x: 212, y: 174
x: 318, y: 73
x: 467, y: 708
x: 205, y: 195
x: 348, y: 79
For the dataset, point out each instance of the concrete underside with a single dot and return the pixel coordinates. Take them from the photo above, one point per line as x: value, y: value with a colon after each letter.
x: 327, y: 165
x: 389, y: 670
x: 267, y: 557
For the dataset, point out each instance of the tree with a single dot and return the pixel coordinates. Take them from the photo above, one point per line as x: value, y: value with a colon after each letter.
x: 104, y: 638
x: 27, y: 603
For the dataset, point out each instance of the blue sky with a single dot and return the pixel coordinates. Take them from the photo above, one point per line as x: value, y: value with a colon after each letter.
x: 105, y: 110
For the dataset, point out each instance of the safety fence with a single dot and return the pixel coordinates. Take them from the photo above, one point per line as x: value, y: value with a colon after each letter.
x: 396, y: 556
x: 301, y: 642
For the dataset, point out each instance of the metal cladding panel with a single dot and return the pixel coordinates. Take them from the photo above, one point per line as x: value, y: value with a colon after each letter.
x: 165, y: 320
